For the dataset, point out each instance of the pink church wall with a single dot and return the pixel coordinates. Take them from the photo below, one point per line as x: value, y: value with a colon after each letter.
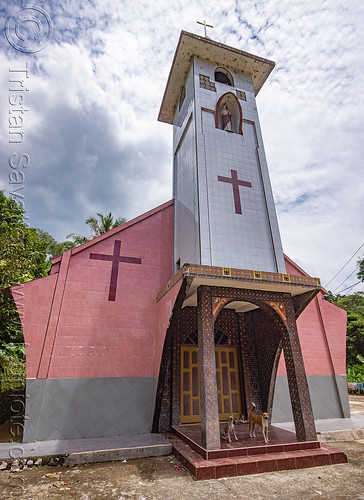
x: 74, y: 331
x: 322, y: 332
x: 37, y: 297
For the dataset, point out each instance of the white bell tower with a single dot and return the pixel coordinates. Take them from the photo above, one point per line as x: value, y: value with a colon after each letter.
x: 224, y: 208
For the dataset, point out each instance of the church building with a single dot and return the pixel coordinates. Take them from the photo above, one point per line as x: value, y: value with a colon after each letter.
x: 190, y: 312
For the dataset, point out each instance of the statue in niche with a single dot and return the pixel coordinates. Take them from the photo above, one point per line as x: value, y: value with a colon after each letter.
x: 226, y: 118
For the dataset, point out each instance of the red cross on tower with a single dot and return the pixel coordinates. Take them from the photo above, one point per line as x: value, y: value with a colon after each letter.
x: 115, y: 258
x: 235, y: 183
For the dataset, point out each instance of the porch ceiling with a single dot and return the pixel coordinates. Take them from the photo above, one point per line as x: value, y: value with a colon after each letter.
x: 239, y: 306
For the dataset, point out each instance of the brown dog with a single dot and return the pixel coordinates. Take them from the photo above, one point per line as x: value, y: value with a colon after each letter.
x: 262, y: 420
x: 229, y: 428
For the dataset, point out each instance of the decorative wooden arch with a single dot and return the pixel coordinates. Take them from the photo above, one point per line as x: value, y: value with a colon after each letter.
x: 276, y: 311
x: 218, y: 106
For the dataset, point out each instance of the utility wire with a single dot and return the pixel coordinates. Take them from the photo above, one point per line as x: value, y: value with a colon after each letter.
x: 332, y: 279
x: 355, y: 270
x: 352, y: 286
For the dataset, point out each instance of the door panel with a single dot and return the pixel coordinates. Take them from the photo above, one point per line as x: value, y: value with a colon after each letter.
x: 228, y: 382
x: 190, y: 386
x: 227, y: 378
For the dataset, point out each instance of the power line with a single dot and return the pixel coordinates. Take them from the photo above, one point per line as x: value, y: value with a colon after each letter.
x: 352, y: 286
x: 355, y: 270
x: 332, y: 279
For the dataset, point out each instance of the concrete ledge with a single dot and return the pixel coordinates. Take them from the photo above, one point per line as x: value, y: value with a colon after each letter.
x: 334, y: 429
x: 125, y: 446
x: 84, y: 457
x: 344, y: 435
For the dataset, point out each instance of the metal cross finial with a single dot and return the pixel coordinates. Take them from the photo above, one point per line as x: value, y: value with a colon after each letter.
x: 205, y: 25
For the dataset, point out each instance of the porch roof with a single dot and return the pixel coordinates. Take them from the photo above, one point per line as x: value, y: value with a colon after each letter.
x: 294, y: 285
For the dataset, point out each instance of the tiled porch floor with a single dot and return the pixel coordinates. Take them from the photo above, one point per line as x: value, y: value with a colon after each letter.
x: 248, y: 455
x: 276, y: 435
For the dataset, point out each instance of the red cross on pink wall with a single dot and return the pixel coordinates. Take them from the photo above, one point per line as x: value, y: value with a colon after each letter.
x: 235, y: 183
x: 115, y: 258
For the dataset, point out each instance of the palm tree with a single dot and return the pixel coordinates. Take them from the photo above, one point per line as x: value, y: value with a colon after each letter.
x: 99, y: 225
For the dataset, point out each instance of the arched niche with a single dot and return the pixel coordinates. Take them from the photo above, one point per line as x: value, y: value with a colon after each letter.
x: 262, y: 330
x: 222, y: 75
x: 228, y: 108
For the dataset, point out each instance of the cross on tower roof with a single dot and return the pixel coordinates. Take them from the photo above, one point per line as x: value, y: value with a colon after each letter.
x: 205, y: 25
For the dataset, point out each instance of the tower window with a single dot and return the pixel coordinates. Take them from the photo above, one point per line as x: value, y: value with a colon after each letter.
x: 222, y: 75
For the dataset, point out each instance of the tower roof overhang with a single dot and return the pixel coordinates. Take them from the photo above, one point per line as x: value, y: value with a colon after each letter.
x: 190, y: 45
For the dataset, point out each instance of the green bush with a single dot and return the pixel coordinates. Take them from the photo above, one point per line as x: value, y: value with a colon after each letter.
x: 12, y: 373
x: 13, y: 351
x: 355, y: 373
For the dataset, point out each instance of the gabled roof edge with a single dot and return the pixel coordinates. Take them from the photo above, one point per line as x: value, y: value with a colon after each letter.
x: 300, y: 269
x: 118, y: 229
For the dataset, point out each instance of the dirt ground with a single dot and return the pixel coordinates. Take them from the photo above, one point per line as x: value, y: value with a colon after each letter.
x: 161, y: 478
x: 356, y: 402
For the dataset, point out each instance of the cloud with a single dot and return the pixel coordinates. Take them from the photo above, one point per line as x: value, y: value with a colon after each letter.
x: 94, y: 95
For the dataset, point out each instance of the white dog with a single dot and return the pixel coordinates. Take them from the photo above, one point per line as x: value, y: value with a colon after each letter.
x: 229, y: 428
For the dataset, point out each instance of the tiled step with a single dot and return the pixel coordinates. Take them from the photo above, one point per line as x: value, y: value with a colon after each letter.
x: 240, y: 449
x: 252, y: 464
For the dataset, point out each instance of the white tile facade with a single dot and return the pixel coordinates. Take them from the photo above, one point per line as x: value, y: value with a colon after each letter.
x: 209, y: 229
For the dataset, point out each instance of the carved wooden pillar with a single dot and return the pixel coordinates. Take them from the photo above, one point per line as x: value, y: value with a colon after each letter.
x: 208, y: 388
x: 297, y: 381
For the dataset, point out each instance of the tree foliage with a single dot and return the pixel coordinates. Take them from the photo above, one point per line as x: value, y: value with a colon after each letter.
x: 355, y: 373
x: 22, y: 253
x: 22, y: 258
x: 53, y: 248
x: 361, y: 269
x: 354, y: 305
x: 99, y: 225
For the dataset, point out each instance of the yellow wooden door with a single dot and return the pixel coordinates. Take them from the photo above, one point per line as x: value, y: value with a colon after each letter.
x: 190, y: 385
x: 227, y: 378
x: 228, y: 381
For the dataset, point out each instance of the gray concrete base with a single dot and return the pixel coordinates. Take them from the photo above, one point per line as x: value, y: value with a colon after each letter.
x: 329, y: 398
x: 85, y: 457
x: 90, y: 450
x: 88, y: 407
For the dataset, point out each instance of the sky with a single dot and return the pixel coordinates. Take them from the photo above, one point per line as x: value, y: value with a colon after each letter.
x: 89, y: 77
